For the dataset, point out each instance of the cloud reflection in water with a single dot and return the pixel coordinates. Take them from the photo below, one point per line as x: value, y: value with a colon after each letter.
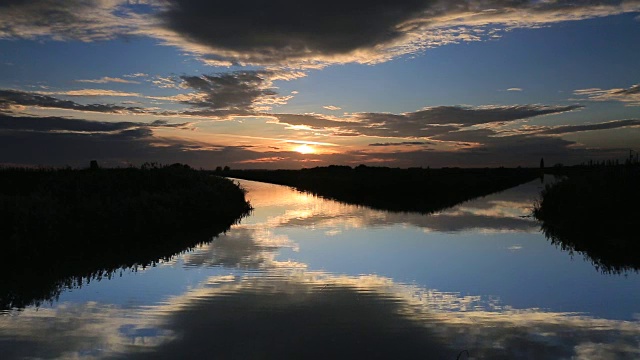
x: 294, y: 313
x: 272, y: 308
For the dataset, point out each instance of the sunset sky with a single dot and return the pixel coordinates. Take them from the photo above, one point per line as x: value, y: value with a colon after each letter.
x: 292, y: 84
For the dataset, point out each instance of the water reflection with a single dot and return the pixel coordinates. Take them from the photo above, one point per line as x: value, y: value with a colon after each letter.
x: 263, y: 304
x: 300, y: 314
x: 247, y: 248
x: 315, y: 315
x: 508, y: 211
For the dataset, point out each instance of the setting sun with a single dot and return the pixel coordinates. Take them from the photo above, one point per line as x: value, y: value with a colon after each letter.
x: 304, y: 149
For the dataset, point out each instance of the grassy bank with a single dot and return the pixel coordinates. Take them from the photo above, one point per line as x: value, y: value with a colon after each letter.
x: 61, y: 227
x: 594, y: 211
x: 417, y: 189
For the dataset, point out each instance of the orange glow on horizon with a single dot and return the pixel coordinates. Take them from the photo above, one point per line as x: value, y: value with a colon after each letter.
x: 304, y: 149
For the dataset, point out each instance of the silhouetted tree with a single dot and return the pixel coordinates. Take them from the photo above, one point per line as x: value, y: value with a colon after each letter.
x: 541, y: 163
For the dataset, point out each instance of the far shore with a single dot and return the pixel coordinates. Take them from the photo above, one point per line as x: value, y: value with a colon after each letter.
x: 421, y: 190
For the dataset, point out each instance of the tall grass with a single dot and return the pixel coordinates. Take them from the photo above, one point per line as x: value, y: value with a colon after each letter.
x: 595, y: 211
x: 60, y: 226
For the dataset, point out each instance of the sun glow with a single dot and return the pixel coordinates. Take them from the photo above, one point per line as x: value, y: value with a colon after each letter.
x: 304, y: 149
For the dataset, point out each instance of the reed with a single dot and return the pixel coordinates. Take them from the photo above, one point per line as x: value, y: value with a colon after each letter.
x: 594, y: 211
x: 60, y: 227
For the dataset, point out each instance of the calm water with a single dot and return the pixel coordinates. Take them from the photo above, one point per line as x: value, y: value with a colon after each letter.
x: 304, y: 277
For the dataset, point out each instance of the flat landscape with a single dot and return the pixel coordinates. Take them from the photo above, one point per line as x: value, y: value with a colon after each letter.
x: 407, y: 179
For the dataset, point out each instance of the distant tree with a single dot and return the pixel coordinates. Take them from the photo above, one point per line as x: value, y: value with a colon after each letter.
x: 226, y: 168
x: 218, y: 169
x: 93, y: 165
x: 179, y: 166
x: 541, y: 163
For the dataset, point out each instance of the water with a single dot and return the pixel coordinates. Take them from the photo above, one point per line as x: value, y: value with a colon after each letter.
x: 304, y: 277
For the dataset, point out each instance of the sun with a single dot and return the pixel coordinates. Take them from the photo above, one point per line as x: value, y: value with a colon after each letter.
x: 304, y: 149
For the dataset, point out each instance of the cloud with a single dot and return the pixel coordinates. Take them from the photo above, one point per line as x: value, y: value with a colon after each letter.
x: 58, y: 124
x: 331, y: 107
x: 287, y: 32
x: 630, y: 96
x: 514, y: 89
x: 106, y: 79
x: 136, y: 75
x: 239, y: 92
x: 566, y: 129
x: 329, y: 32
x: 58, y: 141
x: 165, y: 82
x: 483, y: 148
x: 404, y: 143
x: 313, y: 120
x: 273, y: 159
x: 94, y: 92
x: 84, y: 20
x: 14, y: 98
x: 427, y: 122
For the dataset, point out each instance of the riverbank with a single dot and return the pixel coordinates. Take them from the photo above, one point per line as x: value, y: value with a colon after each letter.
x: 61, y: 227
x: 407, y: 190
x: 594, y: 211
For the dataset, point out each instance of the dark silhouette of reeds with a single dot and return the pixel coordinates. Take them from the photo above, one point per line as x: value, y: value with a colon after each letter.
x: 594, y: 211
x: 62, y: 227
x: 392, y: 189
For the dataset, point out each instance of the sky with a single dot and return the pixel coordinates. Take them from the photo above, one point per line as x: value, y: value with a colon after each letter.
x: 293, y: 84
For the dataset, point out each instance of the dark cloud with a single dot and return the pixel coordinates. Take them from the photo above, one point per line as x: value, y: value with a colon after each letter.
x: 11, y: 98
x: 336, y: 31
x: 222, y: 95
x: 567, y: 129
x: 52, y: 124
x: 465, y: 116
x: 428, y: 122
x: 238, y: 91
x: 58, y: 141
x: 313, y: 120
x: 288, y: 29
x: 486, y: 149
x: 404, y: 143
x: 217, y: 96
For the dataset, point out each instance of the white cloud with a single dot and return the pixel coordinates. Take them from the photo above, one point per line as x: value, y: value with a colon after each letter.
x: 630, y: 96
x: 106, y: 79
x: 93, y: 92
x: 135, y: 75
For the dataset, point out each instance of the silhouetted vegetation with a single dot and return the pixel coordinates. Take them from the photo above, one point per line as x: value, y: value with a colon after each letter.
x: 393, y: 189
x: 61, y: 227
x: 594, y: 211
